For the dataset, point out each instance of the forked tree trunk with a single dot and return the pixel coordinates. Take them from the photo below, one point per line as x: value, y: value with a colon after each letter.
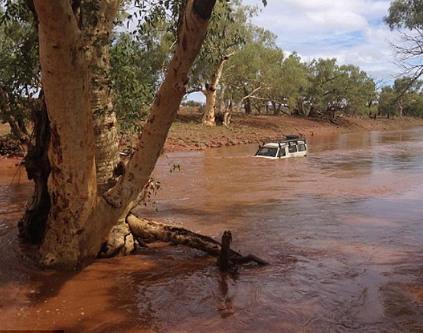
x: 79, y: 220
x: 211, y: 93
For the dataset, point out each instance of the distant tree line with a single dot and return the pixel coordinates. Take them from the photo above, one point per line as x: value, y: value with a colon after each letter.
x: 240, y: 69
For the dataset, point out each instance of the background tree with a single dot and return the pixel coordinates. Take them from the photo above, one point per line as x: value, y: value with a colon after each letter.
x: 386, y: 103
x: 228, y: 29
x: 288, y: 82
x: 404, y: 98
x: 407, y: 17
x: 335, y: 88
x: 19, y: 70
x: 137, y: 68
x: 246, y: 76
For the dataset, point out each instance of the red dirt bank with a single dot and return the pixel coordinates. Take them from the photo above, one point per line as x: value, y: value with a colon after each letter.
x: 187, y: 133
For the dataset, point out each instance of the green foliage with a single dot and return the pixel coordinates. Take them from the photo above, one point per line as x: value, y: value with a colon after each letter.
x: 228, y: 33
x: 414, y: 105
x: 258, y: 71
x: 137, y: 68
x: 247, y: 69
x: 288, y: 80
x: 19, y: 64
x: 387, y: 101
x: 405, y: 14
x: 339, y: 88
x: 405, y: 94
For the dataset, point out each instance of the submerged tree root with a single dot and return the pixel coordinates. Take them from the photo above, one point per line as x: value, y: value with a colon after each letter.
x: 147, y: 231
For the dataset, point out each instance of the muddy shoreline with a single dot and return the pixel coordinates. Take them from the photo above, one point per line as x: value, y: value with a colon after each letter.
x: 188, y: 134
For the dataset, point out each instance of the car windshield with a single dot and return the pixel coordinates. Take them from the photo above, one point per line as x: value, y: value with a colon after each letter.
x: 268, y: 152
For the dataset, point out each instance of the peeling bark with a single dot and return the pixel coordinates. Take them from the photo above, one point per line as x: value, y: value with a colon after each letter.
x: 72, y: 183
x: 97, y: 23
x: 118, y: 201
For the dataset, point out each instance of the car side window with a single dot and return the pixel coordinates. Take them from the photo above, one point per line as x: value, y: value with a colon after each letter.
x: 292, y: 147
x: 301, y: 147
x: 282, y: 152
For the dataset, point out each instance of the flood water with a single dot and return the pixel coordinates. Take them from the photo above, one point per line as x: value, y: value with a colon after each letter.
x: 342, y: 230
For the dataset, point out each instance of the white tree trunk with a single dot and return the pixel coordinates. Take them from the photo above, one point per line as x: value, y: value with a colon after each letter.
x: 79, y: 220
x: 211, y: 93
x: 72, y: 182
x: 97, y: 19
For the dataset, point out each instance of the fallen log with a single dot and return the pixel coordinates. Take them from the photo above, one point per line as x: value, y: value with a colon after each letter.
x: 148, y: 231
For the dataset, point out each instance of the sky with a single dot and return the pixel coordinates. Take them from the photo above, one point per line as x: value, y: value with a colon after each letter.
x: 352, y: 31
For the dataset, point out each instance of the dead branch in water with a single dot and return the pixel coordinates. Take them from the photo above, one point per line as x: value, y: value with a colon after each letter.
x: 149, y: 231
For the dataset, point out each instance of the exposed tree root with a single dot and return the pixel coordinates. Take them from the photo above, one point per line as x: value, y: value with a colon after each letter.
x: 119, y: 243
x: 147, y: 231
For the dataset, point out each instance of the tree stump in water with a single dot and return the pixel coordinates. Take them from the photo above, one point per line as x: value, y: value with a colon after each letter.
x: 224, y: 257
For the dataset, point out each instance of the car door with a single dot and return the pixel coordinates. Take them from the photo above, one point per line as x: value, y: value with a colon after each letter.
x: 282, y: 152
x: 293, y: 149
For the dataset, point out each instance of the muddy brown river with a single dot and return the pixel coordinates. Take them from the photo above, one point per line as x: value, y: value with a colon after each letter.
x: 342, y: 229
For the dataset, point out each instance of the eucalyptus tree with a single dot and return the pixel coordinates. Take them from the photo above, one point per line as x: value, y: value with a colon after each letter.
x: 228, y: 30
x: 323, y: 93
x: 247, y: 72
x: 289, y: 81
x: 74, y: 46
x: 360, y: 90
x: 386, y: 101
x: 404, y: 98
x: 335, y: 88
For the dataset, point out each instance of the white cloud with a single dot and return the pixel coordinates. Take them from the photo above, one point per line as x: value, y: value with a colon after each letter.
x: 353, y: 31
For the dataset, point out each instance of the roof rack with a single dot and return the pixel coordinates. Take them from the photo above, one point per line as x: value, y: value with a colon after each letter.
x: 293, y: 137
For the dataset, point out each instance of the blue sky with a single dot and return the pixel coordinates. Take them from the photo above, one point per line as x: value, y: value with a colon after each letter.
x: 352, y: 31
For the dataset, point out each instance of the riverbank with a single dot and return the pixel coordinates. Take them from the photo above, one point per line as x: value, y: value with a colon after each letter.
x: 187, y: 133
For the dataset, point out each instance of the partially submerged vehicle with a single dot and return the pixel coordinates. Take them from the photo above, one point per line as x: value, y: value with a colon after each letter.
x: 292, y: 146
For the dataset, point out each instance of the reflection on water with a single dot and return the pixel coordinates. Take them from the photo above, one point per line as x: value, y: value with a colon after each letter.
x: 350, y: 214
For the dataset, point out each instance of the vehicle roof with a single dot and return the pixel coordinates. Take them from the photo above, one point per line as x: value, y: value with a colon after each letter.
x: 282, y: 143
x: 271, y: 145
